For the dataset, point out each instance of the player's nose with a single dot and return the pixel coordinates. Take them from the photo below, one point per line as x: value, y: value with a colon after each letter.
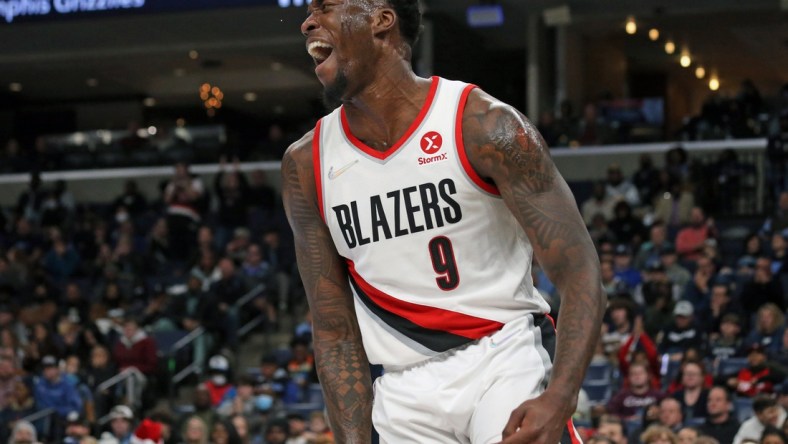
x: 309, y: 24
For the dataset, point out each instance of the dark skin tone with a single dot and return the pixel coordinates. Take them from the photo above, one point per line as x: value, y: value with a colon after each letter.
x: 383, y: 96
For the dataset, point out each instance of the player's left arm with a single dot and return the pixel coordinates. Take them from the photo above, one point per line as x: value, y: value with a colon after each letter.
x: 505, y: 148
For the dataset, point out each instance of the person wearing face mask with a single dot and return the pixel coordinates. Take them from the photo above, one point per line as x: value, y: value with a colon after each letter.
x: 219, y: 386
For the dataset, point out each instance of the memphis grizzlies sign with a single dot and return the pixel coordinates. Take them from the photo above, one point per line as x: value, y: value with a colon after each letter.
x: 17, y: 11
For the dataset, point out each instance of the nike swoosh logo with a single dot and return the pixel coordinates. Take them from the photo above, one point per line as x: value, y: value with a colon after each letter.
x: 494, y: 344
x: 334, y: 174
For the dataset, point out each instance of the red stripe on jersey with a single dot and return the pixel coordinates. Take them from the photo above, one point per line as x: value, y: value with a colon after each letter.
x: 316, y: 166
x: 413, y: 127
x: 425, y: 316
x: 573, y: 433
x: 466, y: 164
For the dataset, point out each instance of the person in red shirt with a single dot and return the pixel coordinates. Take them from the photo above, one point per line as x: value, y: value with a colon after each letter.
x: 134, y: 348
x: 639, y: 347
x: 637, y: 396
x: 759, y: 376
x: 691, y: 240
x: 219, y: 386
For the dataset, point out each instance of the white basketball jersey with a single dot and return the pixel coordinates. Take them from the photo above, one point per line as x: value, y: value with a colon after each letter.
x: 435, y: 258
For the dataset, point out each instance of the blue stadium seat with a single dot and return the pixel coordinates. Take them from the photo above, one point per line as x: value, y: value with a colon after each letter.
x: 743, y: 408
x: 184, y: 409
x: 670, y: 372
x: 598, y: 391
x: 315, y: 394
x: 165, y: 340
x: 731, y: 366
x: 283, y: 355
x: 304, y: 408
x: 582, y: 423
x: 632, y: 425
x: 598, y: 372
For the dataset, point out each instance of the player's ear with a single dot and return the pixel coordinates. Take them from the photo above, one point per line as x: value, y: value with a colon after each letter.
x: 383, y: 21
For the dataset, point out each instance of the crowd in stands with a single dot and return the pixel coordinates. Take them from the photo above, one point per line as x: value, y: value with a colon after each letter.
x: 607, y: 121
x: 91, y: 291
x: 694, y: 345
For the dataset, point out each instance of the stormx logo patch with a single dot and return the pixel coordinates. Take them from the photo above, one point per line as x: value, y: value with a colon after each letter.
x: 431, y: 144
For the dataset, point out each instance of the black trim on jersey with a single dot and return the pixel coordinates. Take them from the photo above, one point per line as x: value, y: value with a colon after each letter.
x: 545, y: 326
x: 435, y: 340
x: 547, y: 329
x: 566, y: 437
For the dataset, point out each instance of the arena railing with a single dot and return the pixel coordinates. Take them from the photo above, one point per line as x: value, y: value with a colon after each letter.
x: 44, y: 415
x: 585, y: 163
x: 194, y: 366
x: 589, y: 163
x: 245, y: 300
x: 134, y: 380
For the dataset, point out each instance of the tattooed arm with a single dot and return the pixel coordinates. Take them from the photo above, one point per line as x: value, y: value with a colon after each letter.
x: 505, y: 148
x: 341, y: 361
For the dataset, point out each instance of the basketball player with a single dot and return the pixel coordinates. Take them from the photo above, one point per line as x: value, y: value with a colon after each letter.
x: 417, y: 206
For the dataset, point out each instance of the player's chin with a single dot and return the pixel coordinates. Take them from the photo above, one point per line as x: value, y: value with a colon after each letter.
x: 326, y: 72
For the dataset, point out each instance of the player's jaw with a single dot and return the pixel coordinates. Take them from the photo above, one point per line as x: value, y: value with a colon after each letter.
x: 322, y: 53
x: 328, y: 71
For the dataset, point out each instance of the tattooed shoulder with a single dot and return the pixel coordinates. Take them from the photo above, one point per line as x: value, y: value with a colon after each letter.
x: 299, y: 153
x: 503, y: 145
x: 297, y: 166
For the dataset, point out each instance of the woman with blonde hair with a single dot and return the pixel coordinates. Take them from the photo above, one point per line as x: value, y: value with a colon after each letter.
x: 195, y: 431
x: 657, y: 434
x: 768, y: 331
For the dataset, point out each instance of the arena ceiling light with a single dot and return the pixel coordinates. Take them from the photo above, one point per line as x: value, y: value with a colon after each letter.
x: 92, y: 82
x: 670, y: 47
x: 15, y: 87
x: 714, y: 82
x: 149, y: 102
x: 700, y: 72
x: 250, y: 97
x: 653, y: 34
x: 685, y: 60
x: 631, y: 27
x: 211, y: 96
x: 194, y: 55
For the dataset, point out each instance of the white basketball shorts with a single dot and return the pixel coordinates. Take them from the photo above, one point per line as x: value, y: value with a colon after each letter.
x: 466, y: 395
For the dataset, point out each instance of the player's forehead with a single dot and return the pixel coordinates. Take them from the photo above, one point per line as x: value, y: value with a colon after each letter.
x: 318, y: 4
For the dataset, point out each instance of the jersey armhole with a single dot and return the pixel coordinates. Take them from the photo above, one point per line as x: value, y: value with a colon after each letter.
x: 466, y: 164
x: 317, y: 170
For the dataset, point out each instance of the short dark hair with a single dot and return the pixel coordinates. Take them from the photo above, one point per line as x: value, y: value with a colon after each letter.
x: 763, y: 402
x: 409, y: 14
x: 725, y: 390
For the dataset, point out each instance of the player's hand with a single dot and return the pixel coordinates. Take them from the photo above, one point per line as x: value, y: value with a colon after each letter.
x: 538, y: 421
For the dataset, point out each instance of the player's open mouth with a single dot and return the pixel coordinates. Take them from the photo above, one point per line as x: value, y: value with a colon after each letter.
x: 320, y: 51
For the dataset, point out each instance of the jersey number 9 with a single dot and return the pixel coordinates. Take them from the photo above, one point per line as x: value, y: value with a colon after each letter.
x: 444, y: 264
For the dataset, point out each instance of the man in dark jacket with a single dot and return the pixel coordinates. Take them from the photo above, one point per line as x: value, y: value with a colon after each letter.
x: 682, y: 334
x: 720, y: 424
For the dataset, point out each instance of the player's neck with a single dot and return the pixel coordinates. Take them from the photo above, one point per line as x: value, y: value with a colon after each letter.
x: 384, y: 109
